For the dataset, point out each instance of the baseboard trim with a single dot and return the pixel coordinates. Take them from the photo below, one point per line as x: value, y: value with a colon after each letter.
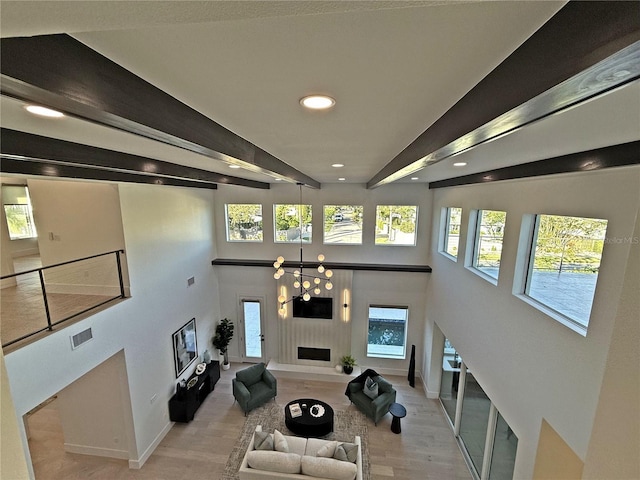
x: 96, y: 451
x: 137, y: 464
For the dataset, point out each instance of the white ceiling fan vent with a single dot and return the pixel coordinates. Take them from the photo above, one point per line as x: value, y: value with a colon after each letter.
x: 80, y: 338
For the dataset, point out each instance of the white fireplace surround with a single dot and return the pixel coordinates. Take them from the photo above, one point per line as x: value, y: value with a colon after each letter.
x: 333, y: 334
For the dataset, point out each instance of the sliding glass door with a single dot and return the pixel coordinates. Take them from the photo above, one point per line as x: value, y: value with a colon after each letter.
x: 484, y: 435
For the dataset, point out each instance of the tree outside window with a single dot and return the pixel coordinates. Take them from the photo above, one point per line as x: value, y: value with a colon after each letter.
x: 565, y: 262
x: 488, y: 241
x: 292, y: 223
x: 17, y: 210
x: 244, y: 222
x: 451, y: 231
x: 396, y: 224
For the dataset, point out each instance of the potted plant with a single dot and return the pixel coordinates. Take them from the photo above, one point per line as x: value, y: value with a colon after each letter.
x: 348, y: 362
x: 222, y: 338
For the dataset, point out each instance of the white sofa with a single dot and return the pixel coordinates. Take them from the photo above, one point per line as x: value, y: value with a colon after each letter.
x: 300, y: 462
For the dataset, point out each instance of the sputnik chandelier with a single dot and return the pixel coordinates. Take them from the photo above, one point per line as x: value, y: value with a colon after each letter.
x: 306, y: 283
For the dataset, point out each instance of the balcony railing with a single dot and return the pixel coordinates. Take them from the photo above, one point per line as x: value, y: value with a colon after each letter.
x: 43, y: 298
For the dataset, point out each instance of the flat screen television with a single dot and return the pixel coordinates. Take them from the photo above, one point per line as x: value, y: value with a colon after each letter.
x: 316, y: 307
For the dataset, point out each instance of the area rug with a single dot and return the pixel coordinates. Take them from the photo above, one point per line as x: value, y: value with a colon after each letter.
x: 346, y: 425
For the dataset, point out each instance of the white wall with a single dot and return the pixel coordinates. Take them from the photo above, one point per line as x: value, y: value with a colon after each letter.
x: 168, y: 235
x: 333, y: 194
x: 368, y: 287
x: 84, y: 218
x: 531, y: 366
x: 615, y: 441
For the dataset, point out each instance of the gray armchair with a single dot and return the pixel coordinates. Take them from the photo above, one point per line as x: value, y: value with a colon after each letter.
x: 376, y: 408
x: 254, y: 386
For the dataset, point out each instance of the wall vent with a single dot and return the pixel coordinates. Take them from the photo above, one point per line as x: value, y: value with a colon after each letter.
x: 80, y: 338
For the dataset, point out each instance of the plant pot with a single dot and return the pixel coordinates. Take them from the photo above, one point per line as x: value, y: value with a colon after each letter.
x: 226, y: 366
x: 348, y: 369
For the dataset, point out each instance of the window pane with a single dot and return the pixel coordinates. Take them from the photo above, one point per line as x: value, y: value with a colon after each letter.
x: 488, y: 241
x: 474, y: 420
x: 452, y: 231
x: 563, y: 270
x: 17, y: 210
x: 343, y: 224
x: 505, y: 445
x: 244, y: 222
x: 387, y: 332
x: 292, y: 222
x: 252, y: 328
x: 449, y: 380
x: 396, y: 224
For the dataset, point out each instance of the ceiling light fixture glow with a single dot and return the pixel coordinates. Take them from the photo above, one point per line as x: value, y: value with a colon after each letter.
x: 415, y: 178
x: 337, y: 165
x: 234, y: 166
x: 460, y: 164
x: 342, y: 179
x: 43, y: 111
x: 317, y: 102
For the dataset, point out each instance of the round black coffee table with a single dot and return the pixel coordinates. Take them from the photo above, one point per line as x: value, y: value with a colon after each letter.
x: 315, y: 419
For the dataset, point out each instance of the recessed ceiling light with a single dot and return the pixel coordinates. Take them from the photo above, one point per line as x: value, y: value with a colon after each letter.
x: 342, y: 179
x: 317, y: 102
x: 459, y: 164
x: 234, y: 166
x: 43, y: 111
x: 415, y: 178
x: 337, y: 165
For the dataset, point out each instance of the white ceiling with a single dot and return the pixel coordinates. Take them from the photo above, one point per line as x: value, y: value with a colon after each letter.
x: 394, y: 68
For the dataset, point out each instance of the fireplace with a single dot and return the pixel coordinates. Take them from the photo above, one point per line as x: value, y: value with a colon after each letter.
x: 320, y: 354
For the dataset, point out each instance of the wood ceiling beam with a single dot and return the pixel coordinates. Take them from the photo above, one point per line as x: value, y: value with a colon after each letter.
x: 585, y: 50
x: 30, y: 154
x: 60, y: 72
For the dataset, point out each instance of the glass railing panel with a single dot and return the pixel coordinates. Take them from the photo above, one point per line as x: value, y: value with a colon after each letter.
x: 45, y: 297
x: 76, y: 287
x: 22, y: 308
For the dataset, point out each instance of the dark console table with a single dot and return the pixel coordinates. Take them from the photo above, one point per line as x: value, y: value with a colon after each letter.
x: 184, y: 404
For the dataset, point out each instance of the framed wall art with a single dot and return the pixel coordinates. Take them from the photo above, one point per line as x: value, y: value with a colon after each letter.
x: 185, y: 346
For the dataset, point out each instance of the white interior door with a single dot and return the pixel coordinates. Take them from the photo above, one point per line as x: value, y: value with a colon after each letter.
x: 253, y: 328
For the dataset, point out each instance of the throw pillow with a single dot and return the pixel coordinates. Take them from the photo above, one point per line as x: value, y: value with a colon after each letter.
x: 327, y: 450
x: 370, y: 388
x: 263, y: 441
x: 347, y: 452
x: 280, y: 443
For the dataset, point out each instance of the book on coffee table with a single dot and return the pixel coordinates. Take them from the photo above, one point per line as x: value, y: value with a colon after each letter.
x: 295, y: 410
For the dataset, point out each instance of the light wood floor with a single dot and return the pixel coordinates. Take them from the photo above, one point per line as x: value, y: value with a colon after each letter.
x: 426, y: 448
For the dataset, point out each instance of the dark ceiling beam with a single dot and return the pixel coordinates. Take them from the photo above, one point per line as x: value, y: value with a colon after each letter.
x: 48, y: 168
x: 622, y: 155
x: 586, y: 49
x: 30, y: 148
x: 60, y: 72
